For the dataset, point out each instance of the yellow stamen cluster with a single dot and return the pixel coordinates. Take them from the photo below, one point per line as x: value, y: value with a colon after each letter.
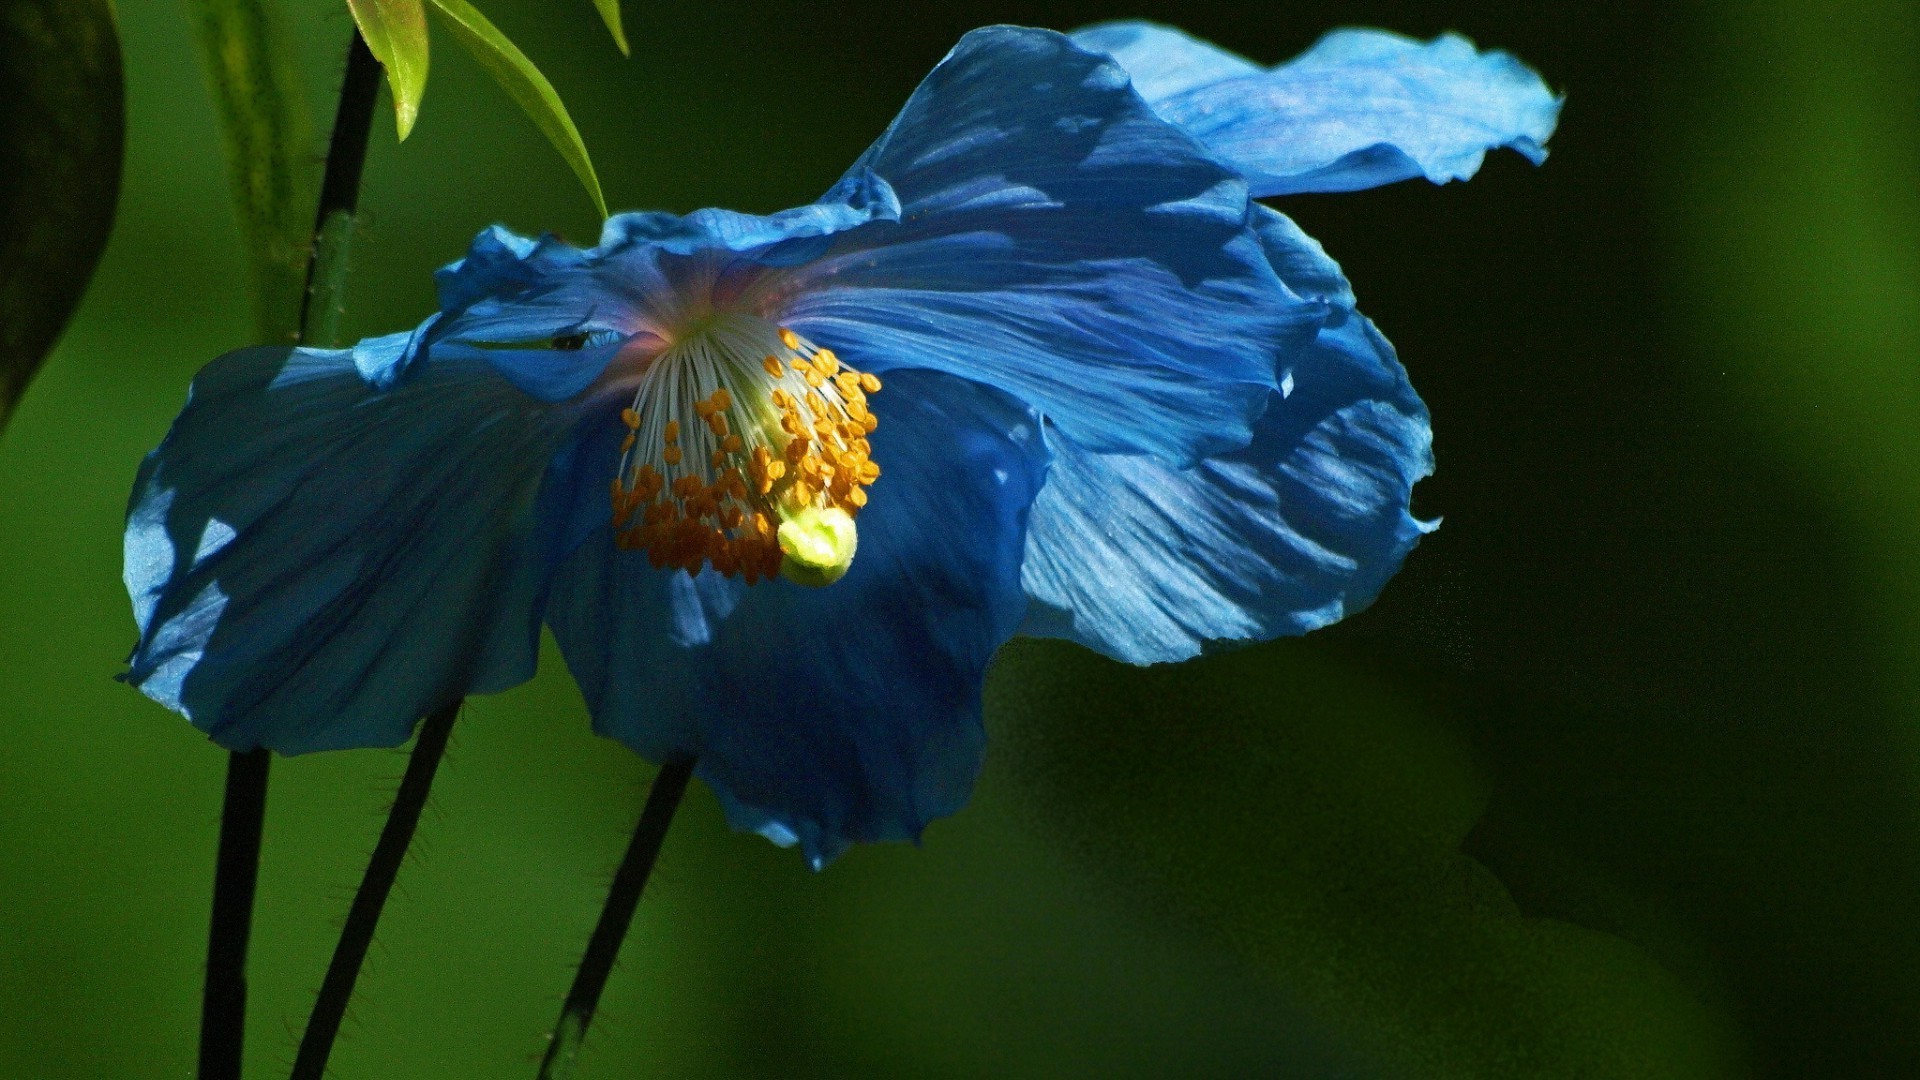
x: 772, y: 437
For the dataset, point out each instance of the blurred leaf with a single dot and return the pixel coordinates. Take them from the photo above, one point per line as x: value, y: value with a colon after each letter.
x: 1796, y: 204
x: 263, y: 117
x: 610, y: 11
x: 61, y: 137
x: 524, y: 83
x: 1814, y: 181
x: 396, y: 33
x: 1320, y: 838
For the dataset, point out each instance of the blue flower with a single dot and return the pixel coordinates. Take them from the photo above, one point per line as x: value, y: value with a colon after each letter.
x: 781, y: 485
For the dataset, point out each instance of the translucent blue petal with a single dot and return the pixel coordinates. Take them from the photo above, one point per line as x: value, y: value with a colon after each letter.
x: 316, y: 563
x: 838, y: 714
x: 1148, y: 563
x: 1059, y: 242
x: 1162, y: 60
x: 636, y: 639
x: 1359, y: 109
x: 511, y: 295
x: 858, y: 198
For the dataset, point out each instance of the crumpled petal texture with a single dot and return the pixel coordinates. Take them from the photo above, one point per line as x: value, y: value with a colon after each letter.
x: 1359, y: 109
x: 1150, y: 563
x: 315, y: 563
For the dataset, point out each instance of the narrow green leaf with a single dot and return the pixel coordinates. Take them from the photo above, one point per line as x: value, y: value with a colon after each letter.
x: 62, y: 130
x: 528, y: 88
x: 610, y: 11
x: 263, y: 115
x: 396, y: 33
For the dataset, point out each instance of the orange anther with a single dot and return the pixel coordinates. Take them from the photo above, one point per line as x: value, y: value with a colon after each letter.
x: 672, y: 434
x: 630, y: 418
x: 772, y: 364
x: 869, y: 383
x: 671, y: 455
x: 790, y: 339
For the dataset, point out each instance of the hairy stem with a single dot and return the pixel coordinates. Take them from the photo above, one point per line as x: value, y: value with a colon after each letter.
x: 622, y: 900
x: 382, y: 868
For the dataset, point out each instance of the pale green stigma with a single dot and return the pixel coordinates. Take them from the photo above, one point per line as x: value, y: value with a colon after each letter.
x: 816, y: 545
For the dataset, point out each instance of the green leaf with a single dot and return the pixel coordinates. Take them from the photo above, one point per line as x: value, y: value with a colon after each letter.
x: 62, y: 130
x: 263, y: 116
x: 396, y: 33
x: 528, y: 88
x: 610, y: 11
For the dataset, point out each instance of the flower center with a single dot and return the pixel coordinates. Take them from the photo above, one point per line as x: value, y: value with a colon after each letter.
x: 746, y: 449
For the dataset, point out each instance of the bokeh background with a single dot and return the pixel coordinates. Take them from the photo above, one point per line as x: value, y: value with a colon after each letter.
x: 1620, y: 778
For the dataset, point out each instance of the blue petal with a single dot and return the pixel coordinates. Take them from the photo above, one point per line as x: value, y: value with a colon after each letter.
x: 315, y: 563
x: 1147, y: 563
x: 1162, y: 60
x: 858, y: 198
x: 634, y: 636
x: 1059, y: 242
x: 1359, y: 109
x: 511, y: 295
x: 845, y: 713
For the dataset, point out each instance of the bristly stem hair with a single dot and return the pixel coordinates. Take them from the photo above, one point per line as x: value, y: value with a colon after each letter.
x: 622, y: 900
x: 382, y: 868
x: 223, y: 1014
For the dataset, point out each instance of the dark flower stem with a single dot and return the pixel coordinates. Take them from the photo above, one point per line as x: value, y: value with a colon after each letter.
x: 339, y: 195
x: 223, y: 1004
x: 243, y: 812
x: 622, y: 899
x: 364, y: 915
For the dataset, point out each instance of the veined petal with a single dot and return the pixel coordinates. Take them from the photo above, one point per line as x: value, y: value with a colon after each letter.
x: 1148, y: 563
x: 1163, y: 60
x: 1359, y: 109
x: 651, y: 274
x: 1057, y: 241
x: 316, y: 563
x: 838, y: 714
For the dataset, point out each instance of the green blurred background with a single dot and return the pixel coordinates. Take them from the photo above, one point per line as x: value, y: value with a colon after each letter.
x: 1621, y: 777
